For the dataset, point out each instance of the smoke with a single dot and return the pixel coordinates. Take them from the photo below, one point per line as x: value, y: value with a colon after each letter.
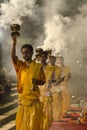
x: 59, y: 25
x: 76, y: 34
x: 13, y: 11
x: 54, y: 25
x: 60, y: 31
x: 55, y: 29
x: 65, y: 32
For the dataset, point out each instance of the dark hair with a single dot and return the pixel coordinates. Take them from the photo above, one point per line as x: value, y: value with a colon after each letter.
x: 28, y: 46
x: 44, y: 53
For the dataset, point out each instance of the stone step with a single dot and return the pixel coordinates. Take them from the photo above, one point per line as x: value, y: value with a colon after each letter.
x: 13, y: 94
x: 6, y: 98
x: 13, y: 90
x: 8, y: 109
x: 9, y: 126
x: 8, y: 106
x: 14, y: 84
x: 12, y: 128
x: 9, y: 103
x: 8, y: 116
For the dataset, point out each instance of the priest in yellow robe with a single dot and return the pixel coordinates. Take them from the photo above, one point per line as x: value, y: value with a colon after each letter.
x: 45, y: 91
x: 29, y: 75
x: 66, y: 94
x: 57, y: 103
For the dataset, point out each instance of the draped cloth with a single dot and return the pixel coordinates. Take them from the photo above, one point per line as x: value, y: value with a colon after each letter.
x: 46, y: 95
x: 65, y: 89
x: 30, y: 109
x: 29, y: 117
x: 57, y: 104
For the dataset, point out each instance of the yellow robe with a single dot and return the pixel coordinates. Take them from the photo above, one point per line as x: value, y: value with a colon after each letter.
x: 57, y: 103
x: 65, y: 90
x: 57, y: 106
x: 46, y: 96
x: 30, y: 109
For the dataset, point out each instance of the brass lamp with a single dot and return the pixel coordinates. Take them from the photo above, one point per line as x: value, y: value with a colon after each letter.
x: 15, y: 28
x: 49, y: 52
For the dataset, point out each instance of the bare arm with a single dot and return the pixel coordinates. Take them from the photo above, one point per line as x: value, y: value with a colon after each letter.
x: 13, y: 52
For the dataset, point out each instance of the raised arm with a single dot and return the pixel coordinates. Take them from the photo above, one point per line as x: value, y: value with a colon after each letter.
x: 13, y: 52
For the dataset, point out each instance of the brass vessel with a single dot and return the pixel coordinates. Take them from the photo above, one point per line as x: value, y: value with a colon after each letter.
x: 15, y: 28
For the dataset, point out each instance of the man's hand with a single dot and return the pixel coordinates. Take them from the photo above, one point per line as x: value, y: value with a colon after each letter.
x: 37, y: 82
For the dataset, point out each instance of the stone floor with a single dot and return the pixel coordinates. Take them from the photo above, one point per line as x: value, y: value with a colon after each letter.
x: 8, y: 109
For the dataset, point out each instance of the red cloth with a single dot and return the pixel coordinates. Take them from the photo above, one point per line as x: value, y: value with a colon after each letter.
x: 69, y: 122
x: 68, y: 126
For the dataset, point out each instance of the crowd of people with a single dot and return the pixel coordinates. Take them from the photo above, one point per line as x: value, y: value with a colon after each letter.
x: 43, y: 93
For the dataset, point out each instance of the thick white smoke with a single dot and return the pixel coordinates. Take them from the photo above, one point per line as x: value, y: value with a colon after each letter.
x: 13, y: 11
x: 55, y: 29
x: 67, y: 34
x: 54, y: 26
x: 63, y: 33
x: 62, y: 27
